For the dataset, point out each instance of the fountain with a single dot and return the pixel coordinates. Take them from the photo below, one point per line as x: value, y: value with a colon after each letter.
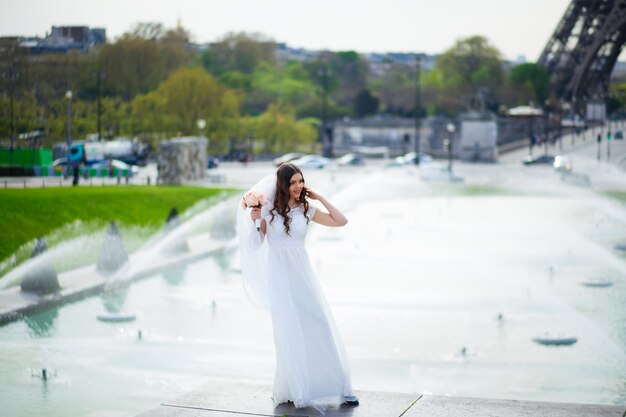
x: 113, y: 302
x: 44, y: 373
x: 113, y: 255
x: 144, y: 259
x: 172, y: 222
x: 43, y: 278
x: 445, y: 272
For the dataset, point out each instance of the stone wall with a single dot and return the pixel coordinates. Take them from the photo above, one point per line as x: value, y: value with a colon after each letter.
x: 182, y: 159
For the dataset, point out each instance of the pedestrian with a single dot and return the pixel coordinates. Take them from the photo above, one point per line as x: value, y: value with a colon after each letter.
x: 76, y: 157
x: 311, y: 362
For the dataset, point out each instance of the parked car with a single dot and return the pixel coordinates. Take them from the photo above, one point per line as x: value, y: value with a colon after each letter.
x: 59, y: 163
x: 103, y: 168
x: 397, y: 162
x: 411, y: 157
x: 288, y: 157
x: 213, y: 162
x: 311, y: 161
x: 538, y: 160
x: 112, y: 168
x: 562, y: 163
x: 352, y: 159
x: 60, y: 167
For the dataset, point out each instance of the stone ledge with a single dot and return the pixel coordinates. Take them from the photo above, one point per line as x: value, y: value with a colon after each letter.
x: 444, y: 406
x: 227, y: 399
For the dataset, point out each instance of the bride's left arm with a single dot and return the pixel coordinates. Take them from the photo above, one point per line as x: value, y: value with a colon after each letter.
x: 334, y: 218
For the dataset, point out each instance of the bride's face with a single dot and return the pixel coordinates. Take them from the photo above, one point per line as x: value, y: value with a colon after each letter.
x: 296, y: 184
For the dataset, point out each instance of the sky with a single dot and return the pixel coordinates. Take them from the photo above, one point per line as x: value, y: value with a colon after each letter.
x: 515, y: 27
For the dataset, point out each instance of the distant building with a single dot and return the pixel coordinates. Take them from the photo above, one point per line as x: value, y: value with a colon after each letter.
x: 285, y: 54
x: 380, y: 63
x: 521, y: 59
x: 62, y: 39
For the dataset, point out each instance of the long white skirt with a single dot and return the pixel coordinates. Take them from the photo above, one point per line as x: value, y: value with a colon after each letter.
x: 311, y: 362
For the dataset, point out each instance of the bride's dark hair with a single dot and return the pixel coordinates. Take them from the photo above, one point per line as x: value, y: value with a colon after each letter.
x: 281, y: 199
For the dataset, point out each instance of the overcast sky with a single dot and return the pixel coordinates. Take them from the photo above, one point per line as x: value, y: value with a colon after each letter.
x: 515, y: 27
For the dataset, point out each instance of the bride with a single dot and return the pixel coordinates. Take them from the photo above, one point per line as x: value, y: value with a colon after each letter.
x: 311, y: 363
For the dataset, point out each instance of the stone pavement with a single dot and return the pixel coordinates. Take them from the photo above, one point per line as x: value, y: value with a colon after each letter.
x: 225, y: 399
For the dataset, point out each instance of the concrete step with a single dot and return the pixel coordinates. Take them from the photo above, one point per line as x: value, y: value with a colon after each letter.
x: 226, y: 399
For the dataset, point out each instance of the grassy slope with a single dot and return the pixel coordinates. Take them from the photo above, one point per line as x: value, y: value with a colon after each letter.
x: 618, y: 195
x: 27, y: 214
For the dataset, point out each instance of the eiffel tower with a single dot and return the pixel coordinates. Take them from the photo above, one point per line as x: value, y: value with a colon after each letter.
x: 583, y: 49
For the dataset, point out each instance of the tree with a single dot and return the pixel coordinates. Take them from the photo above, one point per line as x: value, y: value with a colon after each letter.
x: 396, y: 89
x: 286, y: 84
x: 135, y: 64
x: 130, y: 65
x: 470, y: 64
x: 14, y: 74
x: 617, y: 93
x: 365, y: 103
x: 236, y: 80
x: 352, y: 70
x: 188, y: 95
x: 531, y: 76
x: 239, y: 52
x: 280, y: 131
x: 148, y: 112
x: 314, y: 108
x: 322, y: 76
x: 613, y: 104
x: 193, y: 94
x: 345, y: 73
x: 14, y: 67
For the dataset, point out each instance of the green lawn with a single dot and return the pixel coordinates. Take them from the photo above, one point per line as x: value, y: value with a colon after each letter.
x: 29, y: 213
x: 618, y: 195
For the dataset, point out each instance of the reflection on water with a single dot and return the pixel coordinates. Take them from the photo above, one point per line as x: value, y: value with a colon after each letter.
x: 42, y: 324
x: 223, y: 260
x: 113, y: 299
x: 174, y: 276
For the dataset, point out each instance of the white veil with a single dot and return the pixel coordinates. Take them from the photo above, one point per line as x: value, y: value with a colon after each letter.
x: 253, y: 248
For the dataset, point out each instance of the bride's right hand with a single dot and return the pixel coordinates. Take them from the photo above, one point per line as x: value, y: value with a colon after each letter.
x: 255, y: 213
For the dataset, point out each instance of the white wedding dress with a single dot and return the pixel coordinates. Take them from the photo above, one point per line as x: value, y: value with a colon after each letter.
x: 311, y: 363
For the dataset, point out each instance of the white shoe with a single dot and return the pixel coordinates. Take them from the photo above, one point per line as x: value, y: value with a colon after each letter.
x: 351, y: 400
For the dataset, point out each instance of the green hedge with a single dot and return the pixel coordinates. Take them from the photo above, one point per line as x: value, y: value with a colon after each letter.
x: 26, y: 157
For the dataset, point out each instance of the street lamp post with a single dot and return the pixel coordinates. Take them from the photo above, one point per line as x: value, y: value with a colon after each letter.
x: 418, y: 67
x: 99, y: 106
x: 11, y: 76
x: 450, y: 128
x: 12, y: 129
x: 324, y: 73
x: 250, y: 146
x: 547, y: 110
x: 547, y: 134
x: 68, y: 138
x: 201, y: 125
